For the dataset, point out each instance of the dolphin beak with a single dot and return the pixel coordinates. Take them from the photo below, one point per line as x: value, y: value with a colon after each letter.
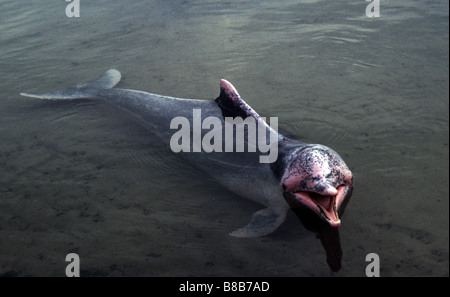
x: 325, y: 206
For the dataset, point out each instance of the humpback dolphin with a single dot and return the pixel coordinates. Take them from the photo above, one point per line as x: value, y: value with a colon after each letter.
x: 305, y: 175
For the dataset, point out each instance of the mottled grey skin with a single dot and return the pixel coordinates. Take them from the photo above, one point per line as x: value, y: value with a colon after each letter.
x: 305, y: 175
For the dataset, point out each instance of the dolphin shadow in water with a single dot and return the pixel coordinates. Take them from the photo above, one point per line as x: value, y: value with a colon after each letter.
x: 329, y: 236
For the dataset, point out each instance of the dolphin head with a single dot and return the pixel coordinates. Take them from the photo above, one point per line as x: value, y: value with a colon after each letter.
x: 316, y: 177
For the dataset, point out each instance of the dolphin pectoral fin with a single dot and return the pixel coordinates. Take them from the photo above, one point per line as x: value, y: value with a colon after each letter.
x: 263, y: 222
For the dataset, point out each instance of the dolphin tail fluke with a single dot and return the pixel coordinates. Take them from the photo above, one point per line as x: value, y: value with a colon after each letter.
x: 86, y: 90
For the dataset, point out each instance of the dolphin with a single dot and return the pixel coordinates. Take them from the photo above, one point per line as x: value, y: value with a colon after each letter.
x: 304, y: 175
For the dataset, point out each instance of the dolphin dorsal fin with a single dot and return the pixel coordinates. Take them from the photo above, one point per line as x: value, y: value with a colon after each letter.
x: 231, y: 103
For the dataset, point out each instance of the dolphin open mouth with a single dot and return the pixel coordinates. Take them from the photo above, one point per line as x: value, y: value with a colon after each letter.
x: 325, y: 206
